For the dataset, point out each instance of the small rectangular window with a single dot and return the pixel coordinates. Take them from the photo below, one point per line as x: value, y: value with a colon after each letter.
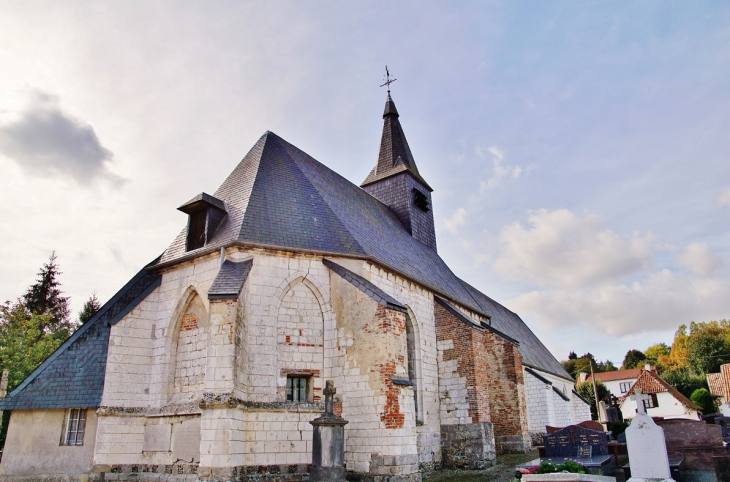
x: 651, y: 402
x: 75, y: 426
x: 296, y: 389
x: 625, y: 386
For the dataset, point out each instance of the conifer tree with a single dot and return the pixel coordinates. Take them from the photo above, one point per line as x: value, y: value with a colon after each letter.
x: 45, y: 297
x: 91, y: 307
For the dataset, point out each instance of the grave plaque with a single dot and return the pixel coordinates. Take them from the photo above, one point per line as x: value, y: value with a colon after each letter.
x: 575, y: 441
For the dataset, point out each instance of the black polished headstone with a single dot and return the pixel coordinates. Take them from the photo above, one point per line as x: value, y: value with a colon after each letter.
x: 575, y: 441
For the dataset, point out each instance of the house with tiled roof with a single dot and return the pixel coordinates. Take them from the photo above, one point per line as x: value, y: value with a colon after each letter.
x: 618, y: 382
x: 720, y: 388
x: 212, y: 360
x: 663, y: 400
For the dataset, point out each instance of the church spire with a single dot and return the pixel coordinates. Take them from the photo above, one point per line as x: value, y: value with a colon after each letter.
x: 395, y: 154
x: 395, y: 180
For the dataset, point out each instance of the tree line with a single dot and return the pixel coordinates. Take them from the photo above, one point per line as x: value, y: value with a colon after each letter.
x: 37, y: 323
x: 697, y: 349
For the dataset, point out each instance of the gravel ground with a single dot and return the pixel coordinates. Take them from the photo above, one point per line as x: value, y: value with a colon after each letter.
x: 502, y: 472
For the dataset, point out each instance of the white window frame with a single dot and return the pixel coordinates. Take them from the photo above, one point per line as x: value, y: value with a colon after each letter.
x: 74, y: 427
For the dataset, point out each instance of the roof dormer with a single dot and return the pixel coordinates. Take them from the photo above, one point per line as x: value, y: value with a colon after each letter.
x: 205, y: 215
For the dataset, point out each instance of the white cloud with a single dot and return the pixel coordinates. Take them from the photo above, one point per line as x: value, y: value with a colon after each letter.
x: 699, y: 259
x: 500, y: 171
x: 46, y: 141
x: 560, y: 249
x: 453, y: 223
x: 661, y: 302
x: 723, y: 199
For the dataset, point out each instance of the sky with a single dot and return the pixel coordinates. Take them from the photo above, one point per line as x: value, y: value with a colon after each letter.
x: 578, y: 151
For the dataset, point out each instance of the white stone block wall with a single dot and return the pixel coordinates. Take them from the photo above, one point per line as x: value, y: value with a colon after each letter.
x: 453, y: 393
x: 538, y: 399
x: 579, y: 410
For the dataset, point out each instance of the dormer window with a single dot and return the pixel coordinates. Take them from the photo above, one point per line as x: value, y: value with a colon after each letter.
x: 420, y: 200
x: 206, y: 214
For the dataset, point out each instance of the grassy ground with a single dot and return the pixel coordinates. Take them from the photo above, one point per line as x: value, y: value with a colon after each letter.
x: 502, y: 472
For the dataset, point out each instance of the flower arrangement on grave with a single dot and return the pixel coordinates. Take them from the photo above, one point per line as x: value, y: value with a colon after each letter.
x: 520, y: 471
x: 548, y: 467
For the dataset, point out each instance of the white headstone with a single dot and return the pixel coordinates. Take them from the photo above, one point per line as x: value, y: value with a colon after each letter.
x: 646, y: 446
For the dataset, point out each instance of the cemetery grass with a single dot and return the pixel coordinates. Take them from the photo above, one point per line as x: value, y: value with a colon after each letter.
x: 503, y: 471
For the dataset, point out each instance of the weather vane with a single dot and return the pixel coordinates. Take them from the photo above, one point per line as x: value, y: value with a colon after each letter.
x: 388, y: 80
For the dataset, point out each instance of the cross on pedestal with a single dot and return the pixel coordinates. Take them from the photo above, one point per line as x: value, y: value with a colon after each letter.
x: 639, y: 398
x: 329, y: 392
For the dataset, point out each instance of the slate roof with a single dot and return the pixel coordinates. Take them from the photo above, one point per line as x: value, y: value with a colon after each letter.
x: 230, y: 279
x: 395, y: 155
x: 73, y: 375
x: 534, y: 353
x: 280, y: 197
x: 651, y: 382
x: 380, y: 296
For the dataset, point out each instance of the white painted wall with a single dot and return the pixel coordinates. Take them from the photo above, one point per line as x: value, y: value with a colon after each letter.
x: 667, y: 407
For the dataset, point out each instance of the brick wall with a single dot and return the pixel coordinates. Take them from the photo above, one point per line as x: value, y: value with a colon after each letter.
x: 505, y: 382
x: 464, y: 379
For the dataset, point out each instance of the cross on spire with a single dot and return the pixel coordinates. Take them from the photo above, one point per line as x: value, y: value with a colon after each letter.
x: 388, y: 80
x: 639, y: 398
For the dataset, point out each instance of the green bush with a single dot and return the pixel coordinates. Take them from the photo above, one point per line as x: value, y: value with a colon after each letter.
x: 548, y: 467
x: 703, y: 398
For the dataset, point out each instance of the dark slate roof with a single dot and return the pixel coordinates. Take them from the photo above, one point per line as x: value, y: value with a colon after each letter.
x: 230, y: 280
x: 380, y: 296
x: 280, y: 197
x: 395, y: 155
x: 73, y: 376
x: 534, y: 353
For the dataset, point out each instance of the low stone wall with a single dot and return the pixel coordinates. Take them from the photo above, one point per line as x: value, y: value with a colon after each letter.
x: 468, y: 446
x: 512, y: 444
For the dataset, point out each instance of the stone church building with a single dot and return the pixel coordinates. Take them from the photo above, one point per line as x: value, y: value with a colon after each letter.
x: 210, y: 362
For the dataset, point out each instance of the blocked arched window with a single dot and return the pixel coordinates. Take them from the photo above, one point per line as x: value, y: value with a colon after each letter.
x: 414, y: 362
x: 191, y: 349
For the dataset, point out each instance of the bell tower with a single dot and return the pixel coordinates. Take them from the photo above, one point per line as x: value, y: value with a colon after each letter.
x: 396, y: 182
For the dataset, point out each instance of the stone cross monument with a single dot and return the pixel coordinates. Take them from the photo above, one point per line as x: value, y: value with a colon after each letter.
x: 646, y: 446
x: 328, y: 445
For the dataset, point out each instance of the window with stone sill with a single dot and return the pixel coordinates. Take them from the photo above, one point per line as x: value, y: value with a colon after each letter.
x: 74, y: 427
x: 297, y: 389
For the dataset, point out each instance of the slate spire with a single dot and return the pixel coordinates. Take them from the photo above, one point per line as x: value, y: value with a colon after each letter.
x: 395, y: 154
x: 396, y: 182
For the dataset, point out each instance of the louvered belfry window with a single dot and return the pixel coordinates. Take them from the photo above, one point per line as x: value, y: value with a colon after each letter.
x: 75, y: 426
x: 196, y: 229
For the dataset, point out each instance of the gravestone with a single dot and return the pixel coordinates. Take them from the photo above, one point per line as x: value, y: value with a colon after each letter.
x: 328, y: 442
x: 722, y: 422
x: 646, y: 446
x: 574, y: 440
x: 722, y: 468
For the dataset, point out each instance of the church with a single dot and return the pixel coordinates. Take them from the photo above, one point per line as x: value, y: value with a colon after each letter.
x: 210, y: 362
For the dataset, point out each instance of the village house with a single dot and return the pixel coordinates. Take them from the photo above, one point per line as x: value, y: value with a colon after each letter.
x: 720, y: 388
x: 618, y: 382
x: 210, y: 362
x: 663, y: 400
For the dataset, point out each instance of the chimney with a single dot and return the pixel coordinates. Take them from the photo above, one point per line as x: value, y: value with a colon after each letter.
x: 582, y: 377
x: 647, y: 367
